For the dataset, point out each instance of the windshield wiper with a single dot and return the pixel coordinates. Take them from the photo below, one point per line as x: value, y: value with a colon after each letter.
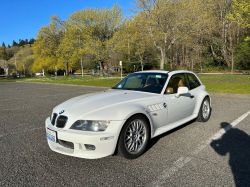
x: 122, y: 88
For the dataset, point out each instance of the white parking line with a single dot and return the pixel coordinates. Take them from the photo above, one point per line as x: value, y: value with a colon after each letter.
x: 182, y: 161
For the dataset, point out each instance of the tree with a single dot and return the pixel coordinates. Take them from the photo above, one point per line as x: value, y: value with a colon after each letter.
x: 10, y: 51
x: 171, y: 33
x: 14, y: 43
x: 46, y: 45
x: 23, y: 57
x: 241, y: 13
x: 3, y: 54
x: 243, y: 55
x: 168, y: 22
x: 99, y: 26
x: 3, y: 45
x: 226, y: 36
x: 21, y: 42
x: 132, y: 41
x: 31, y: 41
x: 71, y: 47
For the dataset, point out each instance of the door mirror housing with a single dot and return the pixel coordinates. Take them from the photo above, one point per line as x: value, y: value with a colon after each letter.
x: 182, y: 90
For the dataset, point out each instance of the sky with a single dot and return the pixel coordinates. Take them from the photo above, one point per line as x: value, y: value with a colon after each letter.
x: 21, y: 19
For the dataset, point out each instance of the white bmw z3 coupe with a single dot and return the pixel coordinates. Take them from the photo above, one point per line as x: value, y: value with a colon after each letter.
x: 140, y: 107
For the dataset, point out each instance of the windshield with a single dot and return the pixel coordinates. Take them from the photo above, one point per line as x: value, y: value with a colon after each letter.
x: 145, y: 82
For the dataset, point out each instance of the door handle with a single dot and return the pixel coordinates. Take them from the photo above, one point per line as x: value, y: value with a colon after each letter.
x: 192, y: 96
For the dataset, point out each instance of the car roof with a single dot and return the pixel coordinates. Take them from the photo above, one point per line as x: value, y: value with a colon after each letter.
x: 164, y: 71
x: 153, y: 71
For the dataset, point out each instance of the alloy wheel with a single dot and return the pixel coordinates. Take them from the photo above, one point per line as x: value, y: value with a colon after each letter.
x: 135, y: 136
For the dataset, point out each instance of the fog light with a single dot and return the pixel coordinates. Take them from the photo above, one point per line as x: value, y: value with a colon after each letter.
x: 89, y: 147
x: 107, y: 138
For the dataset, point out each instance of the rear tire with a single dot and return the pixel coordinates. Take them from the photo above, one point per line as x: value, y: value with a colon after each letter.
x: 205, y: 110
x: 134, y: 137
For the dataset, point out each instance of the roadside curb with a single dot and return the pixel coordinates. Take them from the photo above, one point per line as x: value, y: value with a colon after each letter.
x: 65, y: 84
x: 233, y: 96
x: 227, y: 95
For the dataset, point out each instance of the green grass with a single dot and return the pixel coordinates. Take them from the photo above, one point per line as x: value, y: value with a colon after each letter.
x: 234, y: 84
x: 76, y: 80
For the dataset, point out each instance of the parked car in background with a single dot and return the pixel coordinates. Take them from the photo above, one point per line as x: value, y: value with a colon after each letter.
x: 140, y: 107
x: 38, y: 74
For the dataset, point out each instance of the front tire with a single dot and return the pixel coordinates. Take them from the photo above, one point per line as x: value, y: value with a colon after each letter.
x: 134, y: 137
x: 205, y: 110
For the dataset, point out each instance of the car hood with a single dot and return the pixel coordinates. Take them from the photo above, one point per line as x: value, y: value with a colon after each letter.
x: 82, y: 106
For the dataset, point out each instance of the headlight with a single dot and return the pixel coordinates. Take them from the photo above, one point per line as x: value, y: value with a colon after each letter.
x: 85, y: 125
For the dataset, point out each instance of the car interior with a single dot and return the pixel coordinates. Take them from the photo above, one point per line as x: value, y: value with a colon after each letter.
x: 174, y: 85
x: 150, y: 82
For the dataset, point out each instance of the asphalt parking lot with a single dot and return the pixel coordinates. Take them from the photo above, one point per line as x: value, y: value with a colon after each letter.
x: 182, y: 157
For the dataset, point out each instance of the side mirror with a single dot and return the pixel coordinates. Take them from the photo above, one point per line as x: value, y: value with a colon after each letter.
x: 181, y: 90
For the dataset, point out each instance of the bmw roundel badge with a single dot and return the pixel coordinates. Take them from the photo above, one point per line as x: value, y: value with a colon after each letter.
x: 165, y: 105
x: 61, y: 112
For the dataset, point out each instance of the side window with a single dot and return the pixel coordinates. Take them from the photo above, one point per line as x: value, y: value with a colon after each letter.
x: 193, y: 81
x: 178, y: 81
x: 169, y: 89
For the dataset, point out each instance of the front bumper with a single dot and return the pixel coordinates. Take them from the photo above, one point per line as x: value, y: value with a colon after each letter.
x: 79, y: 139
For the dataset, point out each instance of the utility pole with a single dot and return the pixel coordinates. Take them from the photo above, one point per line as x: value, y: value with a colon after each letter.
x: 81, y: 54
x: 15, y: 63
x: 121, y: 69
x: 24, y: 69
x: 82, y: 66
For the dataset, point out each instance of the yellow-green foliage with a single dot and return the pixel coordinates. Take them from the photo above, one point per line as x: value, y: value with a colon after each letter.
x: 24, y: 57
x: 86, y: 32
x: 163, y: 31
x: 46, y: 46
x: 241, y: 13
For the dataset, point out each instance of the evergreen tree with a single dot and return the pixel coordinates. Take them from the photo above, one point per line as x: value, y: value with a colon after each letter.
x: 32, y: 40
x: 14, y: 43
x: 9, y: 46
x: 21, y: 42
x: 3, y: 45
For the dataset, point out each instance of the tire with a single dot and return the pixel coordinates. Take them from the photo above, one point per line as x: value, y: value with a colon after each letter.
x: 134, y: 137
x: 205, y: 110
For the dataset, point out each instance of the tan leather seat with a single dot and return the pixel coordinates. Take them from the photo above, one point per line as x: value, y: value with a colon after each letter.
x: 178, y: 82
x: 151, y: 81
x: 169, y: 90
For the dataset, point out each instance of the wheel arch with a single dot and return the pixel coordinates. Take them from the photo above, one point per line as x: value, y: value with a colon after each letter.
x: 200, y: 99
x: 139, y: 114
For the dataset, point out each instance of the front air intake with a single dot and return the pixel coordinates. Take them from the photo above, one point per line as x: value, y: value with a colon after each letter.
x: 66, y: 144
x: 61, y: 121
